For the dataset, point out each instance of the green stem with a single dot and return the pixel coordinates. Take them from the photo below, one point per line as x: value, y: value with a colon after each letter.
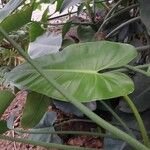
x: 109, y: 13
x: 113, y: 9
x: 117, y: 118
x: 47, y: 131
x: 94, y: 117
x: 137, y: 70
x: 116, y: 14
x: 142, y: 48
x: 139, y: 121
x: 122, y: 25
x: 43, y: 144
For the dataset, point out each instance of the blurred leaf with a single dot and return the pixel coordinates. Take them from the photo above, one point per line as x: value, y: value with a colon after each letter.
x: 70, y: 108
x: 145, y: 11
x: 6, y: 97
x: 80, y: 8
x: 85, y: 33
x: 59, y: 4
x: 45, y: 44
x: 35, y: 107
x: 76, y: 70
x: 9, y: 8
x: 47, y: 120
x: 35, y: 30
x: 46, y: 124
x: 66, y: 28
x: 69, y: 3
x: 3, y: 126
x: 17, y: 20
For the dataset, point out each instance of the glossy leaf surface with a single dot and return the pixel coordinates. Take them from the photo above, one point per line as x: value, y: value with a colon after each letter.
x: 76, y: 70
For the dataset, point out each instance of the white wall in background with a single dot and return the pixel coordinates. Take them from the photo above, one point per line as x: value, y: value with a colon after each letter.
x: 38, y: 13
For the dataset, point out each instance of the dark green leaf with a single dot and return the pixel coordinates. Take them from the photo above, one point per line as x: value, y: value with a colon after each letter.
x: 66, y: 28
x: 85, y: 33
x: 35, y: 107
x: 59, y: 4
x: 9, y: 8
x: 17, y: 20
x: 46, y: 125
x: 3, y: 126
x: 35, y: 31
x: 76, y: 70
x: 6, y: 97
x: 70, y: 108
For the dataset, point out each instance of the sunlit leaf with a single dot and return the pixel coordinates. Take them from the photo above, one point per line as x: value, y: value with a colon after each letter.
x: 81, y: 69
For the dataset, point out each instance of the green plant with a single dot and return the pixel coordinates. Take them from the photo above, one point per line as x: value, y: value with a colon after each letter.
x: 87, y: 71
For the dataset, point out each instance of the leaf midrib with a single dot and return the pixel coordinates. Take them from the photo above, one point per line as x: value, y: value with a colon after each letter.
x: 68, y: 71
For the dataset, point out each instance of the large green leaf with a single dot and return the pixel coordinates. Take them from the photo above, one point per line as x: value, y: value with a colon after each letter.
x: 6, y: 98
x: 35, y: 108
x: 76, y: 69
x: 17, y: 20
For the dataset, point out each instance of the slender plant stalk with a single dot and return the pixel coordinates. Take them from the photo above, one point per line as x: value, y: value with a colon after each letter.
x: 113, y: 8
x: 94, y: 117
x: 116, y: 14
x: 109, y: 14
x: 47, y: 131
x: 118, y: 118
x: 139, y: 120
x: 44, y: 144
x: 142, y: 48
x: 137, y: 70
x: 122, y: 25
